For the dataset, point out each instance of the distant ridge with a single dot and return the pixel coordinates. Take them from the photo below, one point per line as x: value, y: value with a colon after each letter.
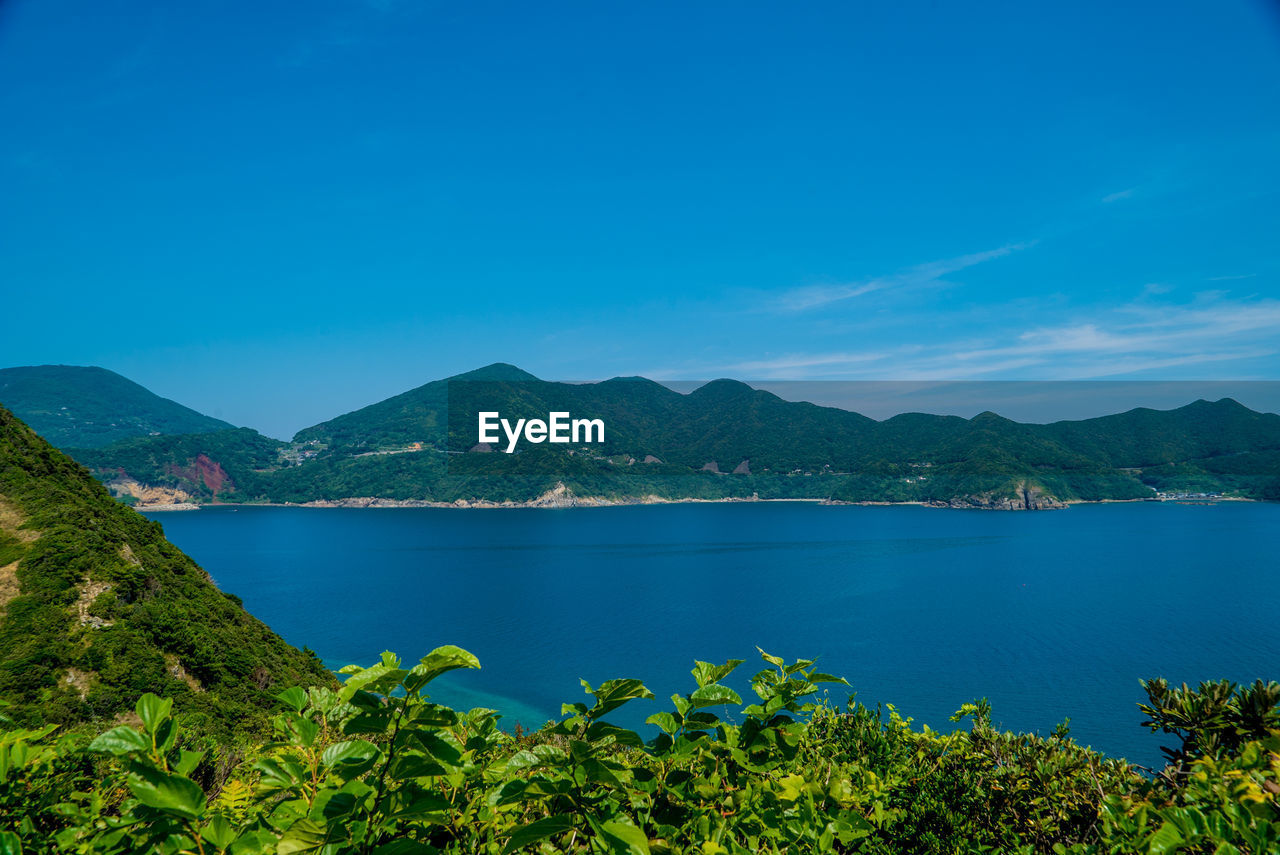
x: 89, y: 407
x: 724, y: 439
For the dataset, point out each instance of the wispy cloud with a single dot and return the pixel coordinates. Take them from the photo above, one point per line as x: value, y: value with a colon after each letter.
x: 932, y: 273
x: 1231, y: 278
x: 1127, y: 340
x: 1118, y: 195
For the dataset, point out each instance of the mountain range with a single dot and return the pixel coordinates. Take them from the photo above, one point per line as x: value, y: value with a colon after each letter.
x: 723, y: 440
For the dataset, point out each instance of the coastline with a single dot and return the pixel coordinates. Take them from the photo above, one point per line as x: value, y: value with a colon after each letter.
x: 568, y: 500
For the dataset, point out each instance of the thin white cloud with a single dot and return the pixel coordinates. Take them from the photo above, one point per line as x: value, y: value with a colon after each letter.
x: 1117, y: 196
x: 1131, y: 339
x: 1231, y: 278
x: 932, y: 273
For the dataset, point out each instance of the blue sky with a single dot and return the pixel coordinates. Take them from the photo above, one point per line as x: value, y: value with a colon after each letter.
x: 276, y: 212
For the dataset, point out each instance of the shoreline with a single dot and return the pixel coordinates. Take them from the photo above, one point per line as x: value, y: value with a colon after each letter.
x: 567, y: 500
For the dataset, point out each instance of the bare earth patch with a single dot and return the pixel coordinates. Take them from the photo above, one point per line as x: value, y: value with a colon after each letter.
x: 146, y: 494
x: 89, y: 591
x: 8, y: 584
x: 79, y: 680
x: 12, y: 520
x: 175, y: 669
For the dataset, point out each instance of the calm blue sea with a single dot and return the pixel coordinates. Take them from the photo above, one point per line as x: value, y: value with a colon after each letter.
x: 1049, y: 615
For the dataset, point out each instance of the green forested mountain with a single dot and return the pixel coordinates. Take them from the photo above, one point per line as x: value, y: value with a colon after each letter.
x: 87, y: 407
x: 96, y: 608
x: 724, y: 439
x: 408, y: 417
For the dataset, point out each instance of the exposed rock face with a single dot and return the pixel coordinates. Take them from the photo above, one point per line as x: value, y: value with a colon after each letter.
x: 90, y: 591
x: 148, y: 495
x: 480, y: 448
x: 558, y: 496
x: 206, y: 471
x: 176, y: 669
x: 649, y: 458
x: 1027, y: 497
x: 711, y: 466
x: 743, y: 468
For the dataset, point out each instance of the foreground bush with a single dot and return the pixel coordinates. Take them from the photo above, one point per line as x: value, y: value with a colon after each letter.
x: 376, y: 767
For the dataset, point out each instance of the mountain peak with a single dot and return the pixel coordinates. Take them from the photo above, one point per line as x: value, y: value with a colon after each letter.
x: 724, y: 388
x: 497, y: 371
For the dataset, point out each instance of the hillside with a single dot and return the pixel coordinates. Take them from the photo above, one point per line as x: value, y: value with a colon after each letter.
x: 86, y: 407
x: 96, y: 608
x: 412, y: 416
x: 723, y: 440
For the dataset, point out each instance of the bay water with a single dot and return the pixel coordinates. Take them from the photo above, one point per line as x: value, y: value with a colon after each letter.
x: 1049, y: 615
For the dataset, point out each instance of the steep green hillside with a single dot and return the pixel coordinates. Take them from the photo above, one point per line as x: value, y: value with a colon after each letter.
x: 86, y: 407
x: 96, y: 608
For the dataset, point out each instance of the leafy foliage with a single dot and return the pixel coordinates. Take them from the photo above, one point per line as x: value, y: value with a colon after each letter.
x: 377, y: 767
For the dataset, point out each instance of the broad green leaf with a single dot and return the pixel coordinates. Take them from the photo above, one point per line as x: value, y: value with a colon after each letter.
x: 187, y: 762
x: 351, y: 754
x: 165, y: 734
x: 819, y: 677
x: 408, y: 766
x: 294, y: 698
x: 701, y: 721
x: 304, y: 730
x: 790, y: 787
x: 378, y: 679
x: 603, y: 732
x: 120, y: 740
x: 333, y: 804
x: 536, y: 757
x: 432, y: 715
x: 374, y: 721
x: 706, y: 673
x: 172, y: 794
x: 714, y: 695
x: 602, y: 773
x: 304, y: 835
x: 1166, y: 839
x: 665, y: 721
x: 536, y: 831
x: 440, y: 661
x: 772, y: 660
x: 440, y: 744
x: 424, y: 805
x: 614, y: 693
x: 624, y: 838
x: 404, y: 847
x: 153, y: 710
x: 220, y: 832
x: 10, y: 844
